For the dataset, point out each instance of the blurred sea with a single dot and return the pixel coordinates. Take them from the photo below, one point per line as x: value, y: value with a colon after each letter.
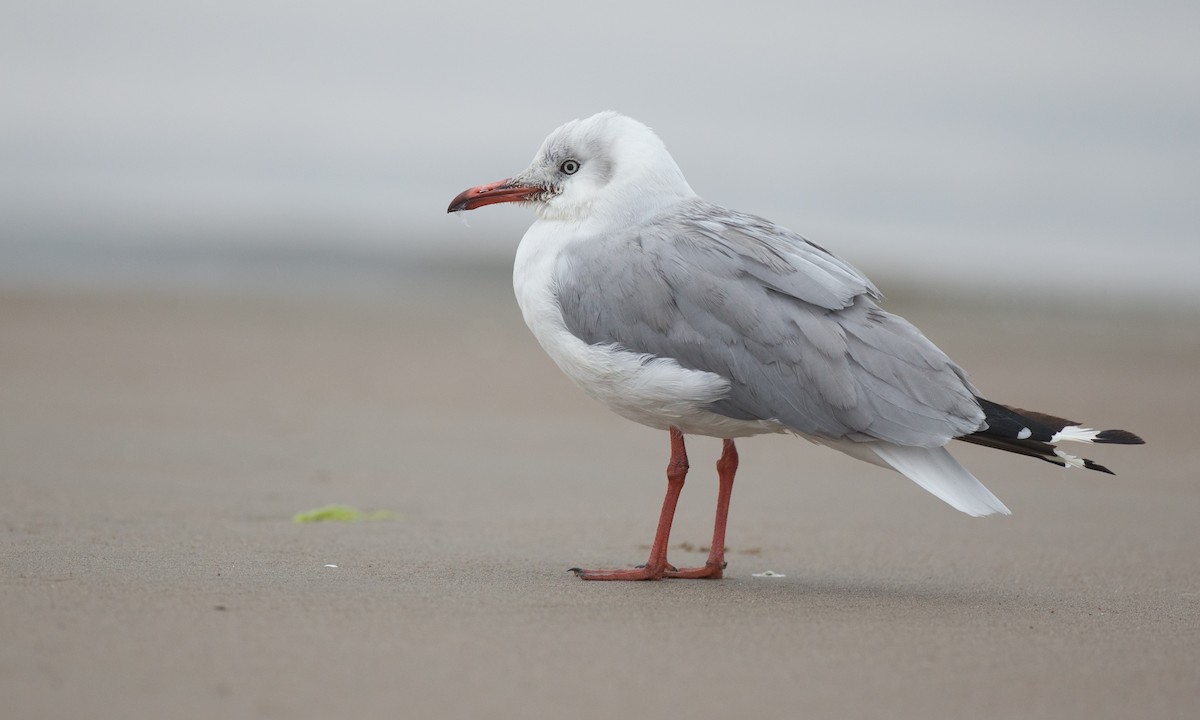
x: 1013, y: 153
x: 216, y: 268
x: 372, y: 270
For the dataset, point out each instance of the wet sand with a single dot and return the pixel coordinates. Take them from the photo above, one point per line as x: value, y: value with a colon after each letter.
x: 156, y: 444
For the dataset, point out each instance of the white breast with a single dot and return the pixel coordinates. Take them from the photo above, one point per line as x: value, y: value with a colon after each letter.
x: 649, y: 390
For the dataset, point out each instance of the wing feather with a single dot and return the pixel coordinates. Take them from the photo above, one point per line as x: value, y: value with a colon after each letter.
x: 796, y: 329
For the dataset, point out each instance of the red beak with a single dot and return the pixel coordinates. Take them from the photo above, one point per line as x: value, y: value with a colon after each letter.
x: 497, y: 192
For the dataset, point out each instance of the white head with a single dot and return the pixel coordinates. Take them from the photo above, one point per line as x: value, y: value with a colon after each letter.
x: 607, y: 167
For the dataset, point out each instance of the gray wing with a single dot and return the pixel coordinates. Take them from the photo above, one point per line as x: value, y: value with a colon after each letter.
x: 796, y: 329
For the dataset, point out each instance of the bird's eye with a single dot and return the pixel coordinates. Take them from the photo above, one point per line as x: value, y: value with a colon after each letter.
x: 569, y: 167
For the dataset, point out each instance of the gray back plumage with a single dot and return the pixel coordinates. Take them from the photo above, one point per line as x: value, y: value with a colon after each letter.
x: 796, y: 329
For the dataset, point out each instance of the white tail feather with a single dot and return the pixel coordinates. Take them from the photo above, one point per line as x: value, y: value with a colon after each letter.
x: 1070, y: 460
x: 1075, y: 433
x: 936, y: 470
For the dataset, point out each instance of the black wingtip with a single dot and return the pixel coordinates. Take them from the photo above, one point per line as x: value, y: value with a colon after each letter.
x: 1118, y: 437
x: 1096, y: 466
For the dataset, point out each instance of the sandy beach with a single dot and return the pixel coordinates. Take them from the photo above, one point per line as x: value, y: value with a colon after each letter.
x: 156, y: 444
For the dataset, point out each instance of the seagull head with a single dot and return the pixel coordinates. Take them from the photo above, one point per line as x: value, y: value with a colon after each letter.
x: 607, y: 167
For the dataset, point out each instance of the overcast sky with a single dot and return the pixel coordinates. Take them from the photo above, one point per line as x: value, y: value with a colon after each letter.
x: 1025, y: 141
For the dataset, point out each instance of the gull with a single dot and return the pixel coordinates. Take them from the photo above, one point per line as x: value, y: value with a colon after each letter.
x: 688, y: 317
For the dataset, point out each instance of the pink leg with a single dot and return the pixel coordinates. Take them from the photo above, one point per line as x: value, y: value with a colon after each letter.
x: 656, y: 565
x: 715, y: 565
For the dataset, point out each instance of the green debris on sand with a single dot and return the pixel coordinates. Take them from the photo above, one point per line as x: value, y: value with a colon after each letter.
x: 341, y: 513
